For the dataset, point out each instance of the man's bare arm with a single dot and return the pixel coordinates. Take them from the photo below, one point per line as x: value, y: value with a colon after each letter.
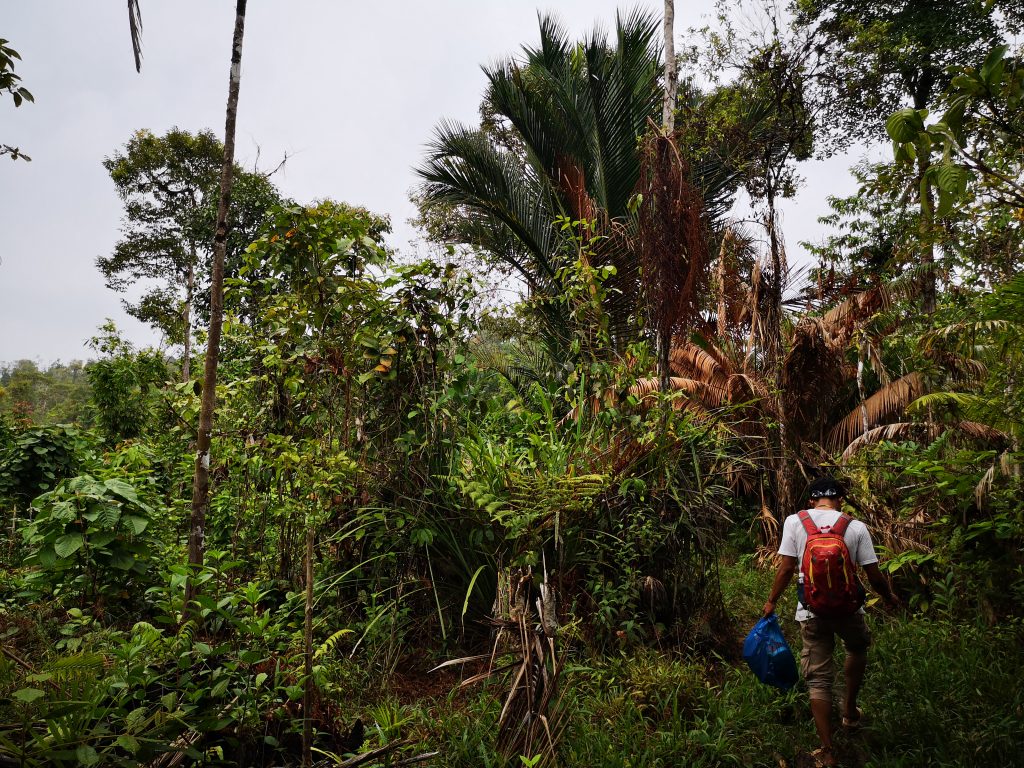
x: 783, y: 575
x: 880, y: 584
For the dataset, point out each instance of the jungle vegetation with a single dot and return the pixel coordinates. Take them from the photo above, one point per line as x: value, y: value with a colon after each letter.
x: 387, y: 520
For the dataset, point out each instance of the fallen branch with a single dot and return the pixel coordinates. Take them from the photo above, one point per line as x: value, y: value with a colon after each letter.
x: 374, y: 753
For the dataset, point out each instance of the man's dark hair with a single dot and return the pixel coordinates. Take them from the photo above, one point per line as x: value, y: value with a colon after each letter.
x: 825, y: 488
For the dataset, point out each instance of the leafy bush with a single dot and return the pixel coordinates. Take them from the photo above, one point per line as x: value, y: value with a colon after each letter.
x: 121, y: 384
x: 35, y: 459
x: 90, y: 536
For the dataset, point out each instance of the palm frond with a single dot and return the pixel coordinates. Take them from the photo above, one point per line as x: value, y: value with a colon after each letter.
x: 690, y: 360
x: 925, y: 431
x: 135, y: 28
x: 464, y: 169
x: 983, y: 432
x: 883, y: 405
x: 900, y: 430
x: 1006, y: 465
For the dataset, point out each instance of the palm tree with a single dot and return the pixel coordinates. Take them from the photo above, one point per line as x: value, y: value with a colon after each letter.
x: 578, y: 112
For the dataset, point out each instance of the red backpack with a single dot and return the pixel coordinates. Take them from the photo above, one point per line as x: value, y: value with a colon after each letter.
x: 830, y: 588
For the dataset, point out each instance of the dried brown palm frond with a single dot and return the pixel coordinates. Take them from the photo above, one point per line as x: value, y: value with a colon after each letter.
x: 896, y: 533
x: 873, y: 356
x: 736, y: 257
x: 858, y: 307
x: 812, y: 372
x: 977, y: 431
x: 531, y: 722
x: 671, y: 242
x: 926, y: 431
x: 961, y: 367
x: 901, y: 430
x: 769, y: 532
x: 887, y: 403
x: 706, y: 363
x: 1005, y: 465
x: 709, y: 395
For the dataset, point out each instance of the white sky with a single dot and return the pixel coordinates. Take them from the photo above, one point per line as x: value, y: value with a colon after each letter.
x: 350, y: 90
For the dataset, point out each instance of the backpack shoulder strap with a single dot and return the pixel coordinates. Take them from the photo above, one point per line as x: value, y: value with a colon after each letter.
x: 841, y: 524
x: 808, y: 524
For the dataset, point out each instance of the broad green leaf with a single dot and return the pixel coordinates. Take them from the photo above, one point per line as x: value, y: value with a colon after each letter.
x: 129, y: 743
x: 87, y: 755
x: 122, y: 561
x: 954, y: 118
x: 953, y: 178
x: 68, y: 544
x: 992, y: 70
x: 125, y: 490
x: 47, y: 557
x: 108, y: 516
x: 135, y: 523
x: 28, y: 695
x: 905, y: 125
x: 101, y: 539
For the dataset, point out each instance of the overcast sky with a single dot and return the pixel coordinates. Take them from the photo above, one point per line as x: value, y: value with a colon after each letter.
x: 350, y: 90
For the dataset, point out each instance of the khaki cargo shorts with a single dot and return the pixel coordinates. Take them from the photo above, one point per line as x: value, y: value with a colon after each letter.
x: 819, y: 641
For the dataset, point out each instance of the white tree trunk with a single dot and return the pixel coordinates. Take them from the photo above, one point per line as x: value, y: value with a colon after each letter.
x: 201, y: 481
x: 190, y: 285
x: 668, y: 119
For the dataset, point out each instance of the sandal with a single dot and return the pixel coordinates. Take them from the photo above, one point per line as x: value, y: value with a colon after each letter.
x: 824, y: 758
x: 853, y: 723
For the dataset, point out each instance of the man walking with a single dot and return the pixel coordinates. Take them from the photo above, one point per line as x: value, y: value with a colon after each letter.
x: 825, y: 546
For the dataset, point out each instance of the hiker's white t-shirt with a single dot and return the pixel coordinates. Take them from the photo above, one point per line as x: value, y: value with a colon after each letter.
x: 794, y: 539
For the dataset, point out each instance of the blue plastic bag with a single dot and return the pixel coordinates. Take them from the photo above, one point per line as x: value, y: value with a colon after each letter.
x: 768, y: 655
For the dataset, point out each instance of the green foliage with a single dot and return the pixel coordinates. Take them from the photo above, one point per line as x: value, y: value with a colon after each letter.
x: 36, y: 459
x: 122, y: 383
x: 561, y: 144
x: 56, y: 394
x: 644, y: 709
x: 90, y: 537
x: 425, y: 441
x: 170, y: 186
x: 11, y: 84
x: 877, y: 55
x: 978, y: 135
x: 162, y: 685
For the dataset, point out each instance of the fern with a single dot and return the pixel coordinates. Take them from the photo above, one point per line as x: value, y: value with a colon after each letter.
x: 187, y: 634
x: 74, y: 666
x: 330, y: 643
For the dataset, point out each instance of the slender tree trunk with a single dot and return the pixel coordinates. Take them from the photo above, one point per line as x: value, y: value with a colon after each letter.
x: 722, y: 326
x: 307, y: 691
x: 921, y: 95
x: 862, y: 344
x: 668, y: 107
x: 926, y: 227
x: 783, y: 486
x: 190, y: 285
x: 201, y: 482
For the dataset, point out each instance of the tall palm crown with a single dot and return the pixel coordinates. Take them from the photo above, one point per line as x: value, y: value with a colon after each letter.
x: 578, y: 112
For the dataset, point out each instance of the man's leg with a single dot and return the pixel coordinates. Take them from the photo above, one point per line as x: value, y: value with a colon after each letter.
x: 819, y: 670
x: 856, y: 637
x: 821, y: 709
x: 854, y: 668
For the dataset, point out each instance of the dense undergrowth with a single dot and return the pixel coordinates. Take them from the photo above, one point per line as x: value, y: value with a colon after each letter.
x: 396, y: 454
x: 942, y: 690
